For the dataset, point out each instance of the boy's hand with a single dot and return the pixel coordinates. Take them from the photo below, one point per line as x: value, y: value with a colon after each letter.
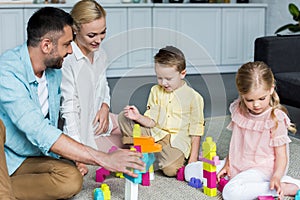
x: 131, y: 112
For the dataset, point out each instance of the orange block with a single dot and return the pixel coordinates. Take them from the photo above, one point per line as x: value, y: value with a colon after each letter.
x: 147, y: 144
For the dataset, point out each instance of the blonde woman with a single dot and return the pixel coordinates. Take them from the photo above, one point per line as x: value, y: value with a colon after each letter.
x: 85, y: 91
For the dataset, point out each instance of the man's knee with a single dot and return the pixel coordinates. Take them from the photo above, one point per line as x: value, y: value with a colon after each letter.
x: 74, y: 181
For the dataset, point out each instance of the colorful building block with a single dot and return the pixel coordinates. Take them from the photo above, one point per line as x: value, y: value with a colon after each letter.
x: 102, y: 193
x: 211, y: 179
x: 265, y: 198
x: 120, y: 175
x: 222, y: 184
x: 131, y: 190
x: 195, y: 182
x: 151, y: 173
x: 180, y: 174
x: 101, y: 174
x: 106, y: 191
x: 297, y: 197
x: 98, y: 194
x: 147, y: 146
x: 210, y: 161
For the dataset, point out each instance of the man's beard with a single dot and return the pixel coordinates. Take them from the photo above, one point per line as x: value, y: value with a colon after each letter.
x: 54, y: 63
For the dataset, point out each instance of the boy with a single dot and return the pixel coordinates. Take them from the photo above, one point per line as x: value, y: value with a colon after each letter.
x: 174, y: 115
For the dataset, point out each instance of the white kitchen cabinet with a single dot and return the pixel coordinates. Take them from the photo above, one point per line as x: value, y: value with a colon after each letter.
x: 220, y: 35
x: 11, y: 31
x: 240, y: 29
x: 196, y: 31
x: 139, y: 37
x: 201, y: 41
x: 116, y: 41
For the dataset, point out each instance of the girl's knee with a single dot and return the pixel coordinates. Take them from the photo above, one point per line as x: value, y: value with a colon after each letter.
x: 231, y: 191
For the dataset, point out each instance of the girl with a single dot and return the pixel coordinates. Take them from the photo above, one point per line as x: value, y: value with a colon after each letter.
x: 85, y: 91
x: 258, y: 156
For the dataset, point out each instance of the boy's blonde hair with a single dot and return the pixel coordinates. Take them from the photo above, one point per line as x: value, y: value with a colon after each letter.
x: 171, y: 56
x: 250, y: 76
x: 86, y: 11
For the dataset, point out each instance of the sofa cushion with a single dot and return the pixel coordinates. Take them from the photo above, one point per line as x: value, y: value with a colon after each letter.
x: 288, y: 86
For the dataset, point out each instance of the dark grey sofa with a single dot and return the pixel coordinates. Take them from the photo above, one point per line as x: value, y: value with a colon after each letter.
x: 282, y: 54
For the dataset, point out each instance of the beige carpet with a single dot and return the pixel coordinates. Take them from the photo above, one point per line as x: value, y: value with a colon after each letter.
x: 163, y: 188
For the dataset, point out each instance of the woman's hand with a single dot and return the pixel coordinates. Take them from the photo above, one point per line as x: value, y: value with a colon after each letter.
x: 101, y: 121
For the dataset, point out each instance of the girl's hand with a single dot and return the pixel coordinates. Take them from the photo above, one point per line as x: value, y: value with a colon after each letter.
x: 224, y: 171
x: 131, y: 112
x: 275, y: 184
x: 101, y: 121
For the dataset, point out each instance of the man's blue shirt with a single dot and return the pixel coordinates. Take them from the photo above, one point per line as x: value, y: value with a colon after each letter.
x: 28, y: 133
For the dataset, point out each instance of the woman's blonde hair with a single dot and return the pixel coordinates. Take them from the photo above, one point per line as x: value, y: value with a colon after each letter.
x: 250, y: 76
x: 86, y: 11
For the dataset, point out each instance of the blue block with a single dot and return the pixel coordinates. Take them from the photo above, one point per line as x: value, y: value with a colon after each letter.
x: 148, y: 159
x: 195, y: 182
x: 297, y: 197
x: 98, y: 194
x: 134, y: 180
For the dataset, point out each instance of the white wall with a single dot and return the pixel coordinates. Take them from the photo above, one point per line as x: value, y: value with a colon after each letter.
x: 277, y: 13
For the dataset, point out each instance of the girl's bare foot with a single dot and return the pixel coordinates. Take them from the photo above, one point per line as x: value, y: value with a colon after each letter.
x: 82, y: 168
x: 289, y: 189
x: 290, y: 186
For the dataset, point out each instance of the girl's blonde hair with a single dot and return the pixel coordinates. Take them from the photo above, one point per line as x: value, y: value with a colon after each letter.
x: 86, y: 11
x: 250, y: 76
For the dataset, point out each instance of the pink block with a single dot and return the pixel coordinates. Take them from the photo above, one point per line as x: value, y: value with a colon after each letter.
x: 211, y: 178
x: 265, y: 198
x: 101, y: 174
x: 138, y: 148
x: 180, y: 174
x: 222, y: 184
x: 146, y: 179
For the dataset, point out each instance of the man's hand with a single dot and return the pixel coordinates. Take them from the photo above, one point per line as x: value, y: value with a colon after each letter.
x: 123, y: 160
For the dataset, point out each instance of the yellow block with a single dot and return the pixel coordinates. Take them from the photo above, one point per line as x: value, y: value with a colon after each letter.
x: 212, y: 192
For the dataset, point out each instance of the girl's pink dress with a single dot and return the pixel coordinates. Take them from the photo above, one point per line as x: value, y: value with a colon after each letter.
x: 254, y: 138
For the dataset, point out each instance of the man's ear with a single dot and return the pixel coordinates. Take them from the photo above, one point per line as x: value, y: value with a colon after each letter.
x: 46, y: 45
x: 183, y: 73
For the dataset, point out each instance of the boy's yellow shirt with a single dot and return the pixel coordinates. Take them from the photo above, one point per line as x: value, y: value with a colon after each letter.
x: 179, y: 113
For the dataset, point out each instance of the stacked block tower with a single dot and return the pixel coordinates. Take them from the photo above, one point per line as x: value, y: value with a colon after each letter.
x: 147, y: 146
x: 210, y: 161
